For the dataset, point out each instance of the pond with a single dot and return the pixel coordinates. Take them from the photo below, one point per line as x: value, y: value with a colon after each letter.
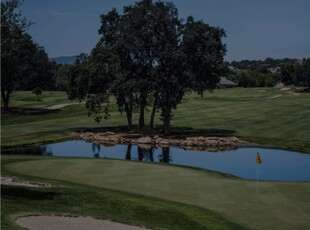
x: 277, y: 165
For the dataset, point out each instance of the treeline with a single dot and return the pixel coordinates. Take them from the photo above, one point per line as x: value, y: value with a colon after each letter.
x: 147, y: 57
x: 269, y: 72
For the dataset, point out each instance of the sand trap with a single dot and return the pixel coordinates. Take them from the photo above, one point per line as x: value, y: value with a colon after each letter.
x: 285, y: 89
x: 71, y: 223
x: 18, y: 182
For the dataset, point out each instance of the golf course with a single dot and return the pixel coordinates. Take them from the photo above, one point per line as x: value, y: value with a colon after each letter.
x: 267, y: 116
x: 155, y: 115
x: 158, y: 196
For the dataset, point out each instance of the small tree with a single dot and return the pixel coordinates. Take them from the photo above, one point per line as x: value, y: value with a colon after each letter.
x: 37, y: 91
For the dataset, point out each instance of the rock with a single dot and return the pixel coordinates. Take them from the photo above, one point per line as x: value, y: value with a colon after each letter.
x: 189, y: 143
x: 144, y: 140
x: 145, y: 146
x: 234, y: 139
x: 196, y: 143
x: 158, y: 140
x: 108, y: 133
x: 164, y: 142
x: 87, y: 135
x: 212, y: 142
x: 174, y: 142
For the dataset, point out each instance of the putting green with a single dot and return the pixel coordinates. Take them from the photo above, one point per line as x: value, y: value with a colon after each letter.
x: 274, y: 205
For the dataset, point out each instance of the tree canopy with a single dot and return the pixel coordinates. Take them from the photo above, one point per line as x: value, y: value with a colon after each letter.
x: 148, y: 56
x: 24, y: 64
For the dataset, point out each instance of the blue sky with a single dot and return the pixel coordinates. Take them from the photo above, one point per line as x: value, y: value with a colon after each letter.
x: 256, y: 29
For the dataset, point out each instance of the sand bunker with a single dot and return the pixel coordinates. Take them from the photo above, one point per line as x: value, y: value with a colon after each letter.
x: 19, y: 182
x: 71, y: 223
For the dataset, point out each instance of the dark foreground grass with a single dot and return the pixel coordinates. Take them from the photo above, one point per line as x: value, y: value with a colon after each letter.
x: 105, y: 204
x: 76, y: 199
x: 235, y: 200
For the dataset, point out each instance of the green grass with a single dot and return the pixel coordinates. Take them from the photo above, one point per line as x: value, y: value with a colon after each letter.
x: 75, y: 198
x: 251, y: 114
x: 26, y: 99
x: 143, y: 193
x: 276, y: 205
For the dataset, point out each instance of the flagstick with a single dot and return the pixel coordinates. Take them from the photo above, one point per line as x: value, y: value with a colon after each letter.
x: 257, y: 179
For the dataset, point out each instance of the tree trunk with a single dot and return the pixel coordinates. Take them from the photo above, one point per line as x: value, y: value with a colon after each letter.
x: 167, y: 121
x: 129, y: 120
x: 167, y: 128
x: 5, y: 98
x: 141, y: 117
x: 153, y: 113
x: 128, y: 109
x: 142, y: 108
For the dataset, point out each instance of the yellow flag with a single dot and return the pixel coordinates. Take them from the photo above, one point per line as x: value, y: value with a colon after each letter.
x: 258, y: 159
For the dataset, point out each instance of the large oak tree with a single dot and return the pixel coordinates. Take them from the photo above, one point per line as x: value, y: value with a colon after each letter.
x: 149, y: 57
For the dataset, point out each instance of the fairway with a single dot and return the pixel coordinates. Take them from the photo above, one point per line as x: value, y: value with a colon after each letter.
x: 252, y: 114
x: 237, y: 200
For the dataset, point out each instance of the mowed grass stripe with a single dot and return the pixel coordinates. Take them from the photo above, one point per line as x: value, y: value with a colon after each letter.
x: 73, y: 199
x: 248, y: 113
x: 235, y: 199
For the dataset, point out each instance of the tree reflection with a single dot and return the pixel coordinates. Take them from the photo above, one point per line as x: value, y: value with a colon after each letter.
x: 165, y: 156
x: 145, y: 153
x: 128, y: 153
x: 96, y: 150
x: 48, y: 152
x: 36, y: 150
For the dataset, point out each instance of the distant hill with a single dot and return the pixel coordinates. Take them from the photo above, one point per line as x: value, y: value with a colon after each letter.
x: 64, y: 59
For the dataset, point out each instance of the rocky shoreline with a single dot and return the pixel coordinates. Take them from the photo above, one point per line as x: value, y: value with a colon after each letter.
x: 200, y: 143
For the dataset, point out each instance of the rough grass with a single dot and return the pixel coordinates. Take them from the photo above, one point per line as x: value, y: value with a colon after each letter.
x: 252, y: 114
x: 275, y: 205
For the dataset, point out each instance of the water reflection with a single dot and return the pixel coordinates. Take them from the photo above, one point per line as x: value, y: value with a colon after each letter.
x: 277, y: 165
x: 37, y: 150
x: 128, y: 153
x: 145, y: 153
x: 165, y: 156
x: 96, y: 150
